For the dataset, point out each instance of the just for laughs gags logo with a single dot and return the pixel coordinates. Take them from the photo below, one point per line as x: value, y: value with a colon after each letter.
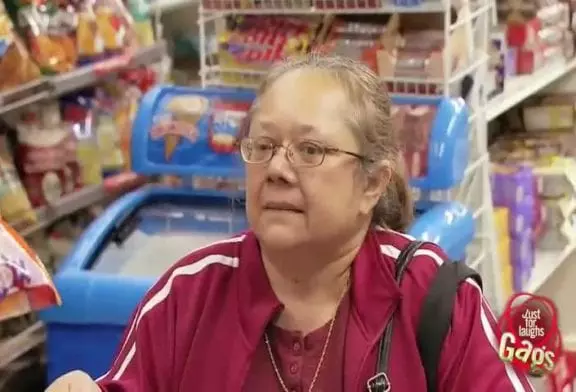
x: 531, y: 339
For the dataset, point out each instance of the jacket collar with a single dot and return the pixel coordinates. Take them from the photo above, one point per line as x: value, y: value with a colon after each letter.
x: 374, y: 290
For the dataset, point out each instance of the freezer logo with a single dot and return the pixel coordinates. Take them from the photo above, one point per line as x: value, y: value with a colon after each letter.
x: 531, y: 339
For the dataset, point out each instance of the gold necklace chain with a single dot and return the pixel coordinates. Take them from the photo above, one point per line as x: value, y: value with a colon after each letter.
x: 322, y: 355
x: 318, y: 367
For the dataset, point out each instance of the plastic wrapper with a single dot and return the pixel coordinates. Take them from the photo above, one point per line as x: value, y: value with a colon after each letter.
x: 16, y: 66
x: 50, y: 35
x: 77, y: 117
x: 25, y: 285
x: 106, y: 106
x: 416, y: 122
x: 46, y: 155
x: 90, y: 45
x: 15, y: 207
x: 115, y: 26
x: 257, y: 42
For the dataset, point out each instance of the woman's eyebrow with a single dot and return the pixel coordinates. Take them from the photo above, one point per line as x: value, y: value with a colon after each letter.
x: 303, y: 129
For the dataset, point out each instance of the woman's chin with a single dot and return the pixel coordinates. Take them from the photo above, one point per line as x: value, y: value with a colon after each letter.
x: 280, y: 236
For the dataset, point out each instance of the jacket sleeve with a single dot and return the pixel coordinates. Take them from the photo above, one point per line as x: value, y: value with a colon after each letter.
x: 469, y: 360
x: 144, y: 359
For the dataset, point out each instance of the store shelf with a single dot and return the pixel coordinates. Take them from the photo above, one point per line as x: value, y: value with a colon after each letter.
x: 79, y: 200
x: 67, y: 205
x: 54, y: 86
x: 547, y: 262
x: 170, y: 5
x: 519, y: 88
x: 14, y: 347
x: 297, y: 7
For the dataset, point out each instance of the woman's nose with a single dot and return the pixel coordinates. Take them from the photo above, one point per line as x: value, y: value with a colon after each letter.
x: 279, y: 166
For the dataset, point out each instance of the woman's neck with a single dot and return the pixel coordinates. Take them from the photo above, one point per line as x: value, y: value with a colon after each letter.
x: 309, y: 283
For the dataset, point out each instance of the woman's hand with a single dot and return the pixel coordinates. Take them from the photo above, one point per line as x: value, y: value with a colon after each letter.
x: 76, y: 381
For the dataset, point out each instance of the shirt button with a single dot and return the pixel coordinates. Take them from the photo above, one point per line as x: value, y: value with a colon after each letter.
x: 296, y: 347
x: 294, y: 368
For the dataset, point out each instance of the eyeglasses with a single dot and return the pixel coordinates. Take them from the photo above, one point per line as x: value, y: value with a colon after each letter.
x: 304, y: 153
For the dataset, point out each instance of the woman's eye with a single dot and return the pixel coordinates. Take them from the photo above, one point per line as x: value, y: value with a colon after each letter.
x: 309, y: 149
x: 262, y: 146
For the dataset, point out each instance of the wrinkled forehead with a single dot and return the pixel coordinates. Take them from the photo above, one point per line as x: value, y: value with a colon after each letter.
x: 305, y: 103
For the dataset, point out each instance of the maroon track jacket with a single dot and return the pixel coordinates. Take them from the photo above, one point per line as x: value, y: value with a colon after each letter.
x: 197, y: 328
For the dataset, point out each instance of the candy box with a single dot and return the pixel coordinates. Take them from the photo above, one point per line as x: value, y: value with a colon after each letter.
x: 522, y: 253
x: 523, y: 216
x: 512, y: 184
x: 25, y: 285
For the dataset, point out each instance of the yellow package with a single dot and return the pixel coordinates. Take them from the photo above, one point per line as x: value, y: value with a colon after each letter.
x: 15, y: 207
x: 501, y: 216
x: 504, y: 250
x: 507, y: 281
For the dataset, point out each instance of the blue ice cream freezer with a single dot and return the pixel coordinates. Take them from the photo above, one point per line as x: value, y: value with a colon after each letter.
x: 190, y: 133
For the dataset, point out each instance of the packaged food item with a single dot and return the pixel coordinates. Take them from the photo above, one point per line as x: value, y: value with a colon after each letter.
x: 143, y: 29
x: 115, y: 26
x: 25, y: 285
x: 16, y: 66
x: 90, y: 44
x: 414, y: 136
x: 78, y: 118
x: 253, y: 43
x: 42, y: 158
x: 111, y: 157
x: 15, y: 207
x: 50, y: 35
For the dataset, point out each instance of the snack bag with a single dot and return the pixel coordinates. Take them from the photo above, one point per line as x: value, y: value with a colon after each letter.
x: 115, y: 26
x: 15, y: 206
x: 16, y: 66
x: 42, y: 157
x: 25, y: 285
x: 50, y: 31
x: 90, y: 44
x: 77, y: 114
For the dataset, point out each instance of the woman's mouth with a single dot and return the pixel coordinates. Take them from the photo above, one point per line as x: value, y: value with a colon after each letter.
x: 283, y: 207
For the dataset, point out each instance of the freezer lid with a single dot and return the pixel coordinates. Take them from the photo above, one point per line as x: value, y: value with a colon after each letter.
x: 185, y: 131
x: 160, y: 235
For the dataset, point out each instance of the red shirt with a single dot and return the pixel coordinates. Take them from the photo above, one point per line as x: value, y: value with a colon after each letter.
x: 200, y: 327
x: 297, y: 358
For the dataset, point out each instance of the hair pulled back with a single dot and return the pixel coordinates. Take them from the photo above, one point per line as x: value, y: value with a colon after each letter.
x: 370, y: 120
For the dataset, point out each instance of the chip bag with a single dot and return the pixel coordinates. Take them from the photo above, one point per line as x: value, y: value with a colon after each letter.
x: 15, y: 206
x: 25, y: 285
x: 16, y: 66
x: 50, y: 34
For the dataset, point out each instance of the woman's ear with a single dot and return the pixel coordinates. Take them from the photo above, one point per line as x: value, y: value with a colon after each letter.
x: 376, y: 183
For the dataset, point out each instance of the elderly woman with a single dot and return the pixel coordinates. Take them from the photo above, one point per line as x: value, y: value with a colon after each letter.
x: 300, y: 302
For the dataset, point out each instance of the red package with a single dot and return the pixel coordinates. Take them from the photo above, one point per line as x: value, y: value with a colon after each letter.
x: 42, y: 158
x: 414, y: 136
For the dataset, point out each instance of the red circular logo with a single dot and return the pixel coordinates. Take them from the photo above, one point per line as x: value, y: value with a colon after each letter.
x: 530, y: 337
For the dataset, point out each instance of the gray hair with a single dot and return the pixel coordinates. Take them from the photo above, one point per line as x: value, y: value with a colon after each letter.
x: 371, y: 123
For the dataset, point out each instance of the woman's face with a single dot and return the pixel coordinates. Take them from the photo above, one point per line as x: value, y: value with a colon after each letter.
x: 289, y: 205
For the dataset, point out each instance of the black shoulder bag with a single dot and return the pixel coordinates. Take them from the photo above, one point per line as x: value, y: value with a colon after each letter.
x: 435, y: 319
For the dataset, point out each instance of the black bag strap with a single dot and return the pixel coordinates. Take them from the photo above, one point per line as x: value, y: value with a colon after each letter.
x: 436, y: 315
x: 435, y: 319
x: 380, y: 381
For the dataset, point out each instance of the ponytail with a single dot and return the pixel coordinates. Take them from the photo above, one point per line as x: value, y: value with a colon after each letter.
x: 395, y: 209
